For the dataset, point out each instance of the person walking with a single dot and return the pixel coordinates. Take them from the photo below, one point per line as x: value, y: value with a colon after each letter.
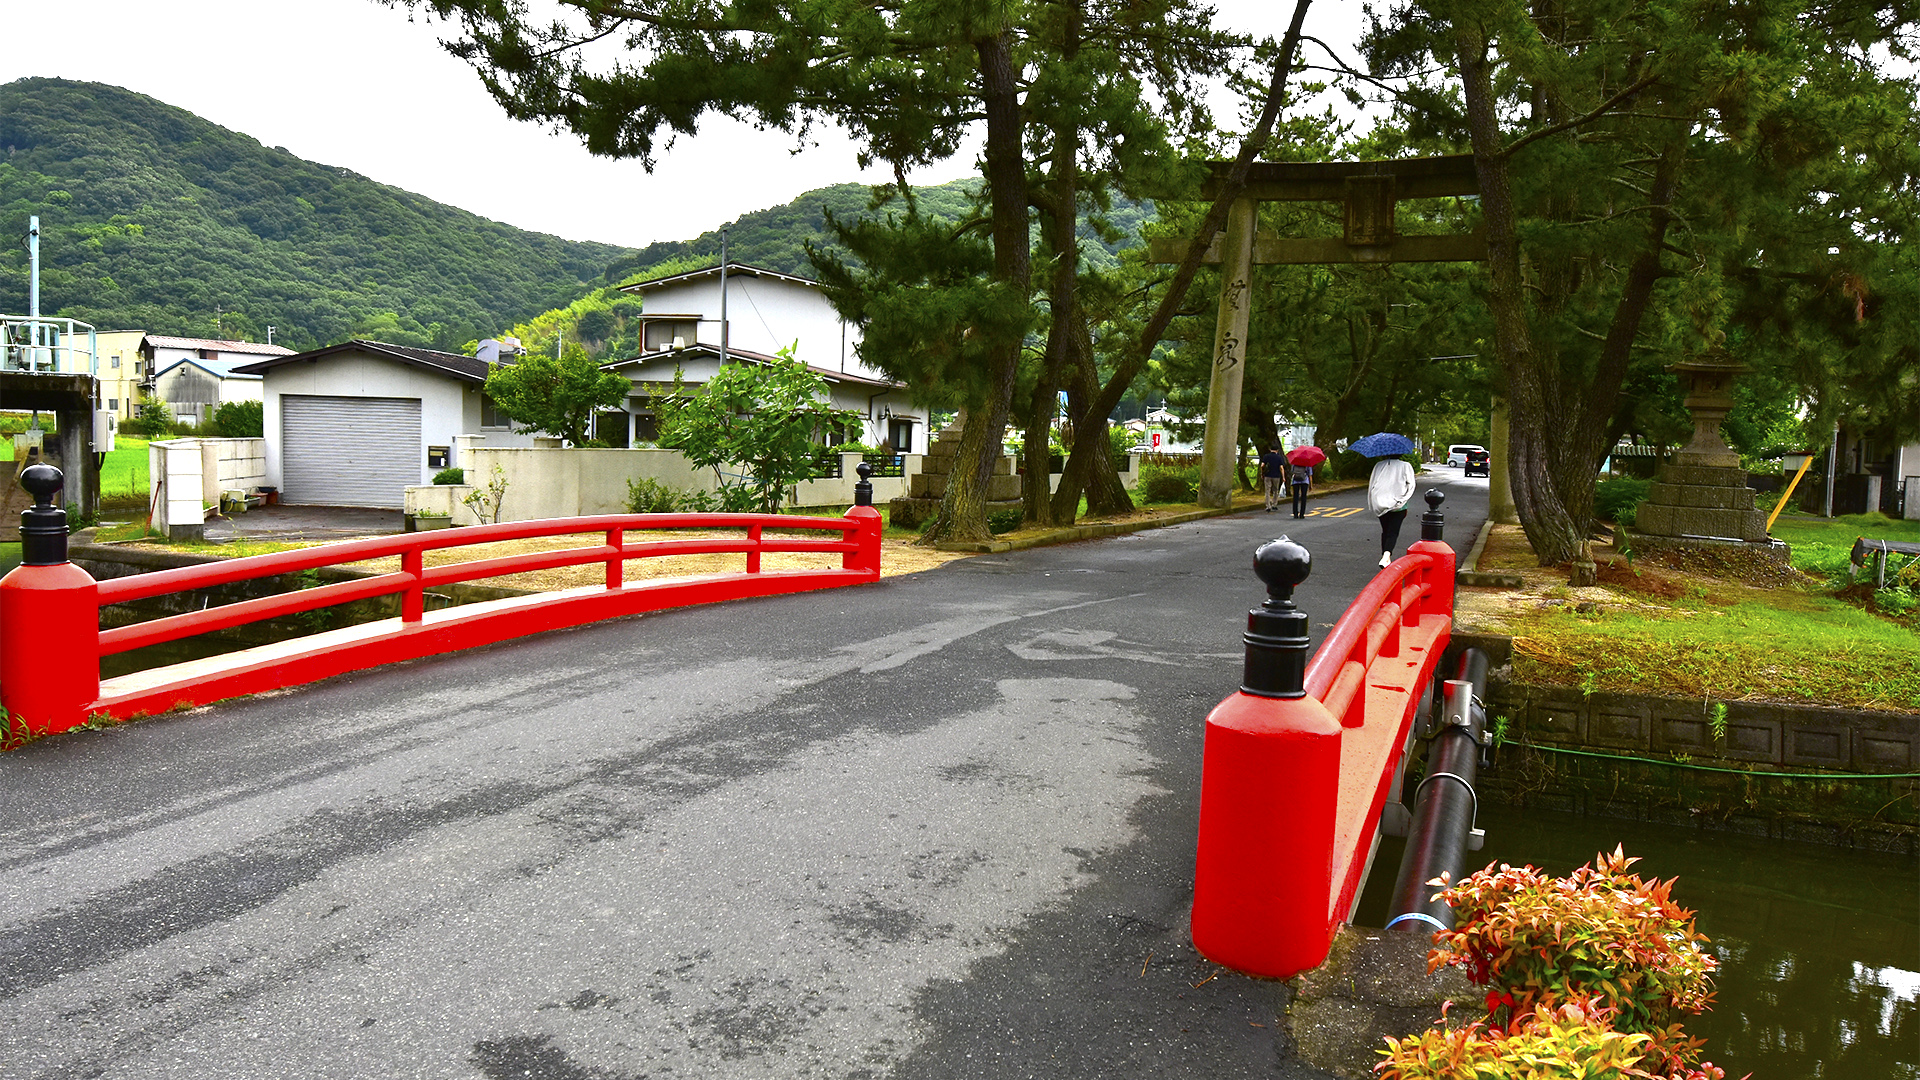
x: 1389, y: 490
x: 1273, y: 469
x: 1302, y: 480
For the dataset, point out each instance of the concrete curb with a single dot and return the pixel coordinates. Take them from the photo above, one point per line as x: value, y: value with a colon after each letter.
x: 1088, y: 532
x: 1469, y: 572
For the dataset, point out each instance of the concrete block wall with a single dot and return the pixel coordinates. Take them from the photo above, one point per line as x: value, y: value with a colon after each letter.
x: 1787, y: 737
x: 547, y: 483
x: 1825, y: 775
x: 188, y: 475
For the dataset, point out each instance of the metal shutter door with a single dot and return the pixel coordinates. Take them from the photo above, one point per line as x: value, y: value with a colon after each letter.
x: 349, y: 451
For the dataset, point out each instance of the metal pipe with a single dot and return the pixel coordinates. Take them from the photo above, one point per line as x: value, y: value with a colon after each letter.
x: 1445, y: 803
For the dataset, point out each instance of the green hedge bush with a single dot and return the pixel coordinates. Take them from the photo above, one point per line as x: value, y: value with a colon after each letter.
x: 1618, y: 498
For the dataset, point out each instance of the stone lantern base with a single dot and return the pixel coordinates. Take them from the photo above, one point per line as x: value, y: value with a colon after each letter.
x: 928, y: 486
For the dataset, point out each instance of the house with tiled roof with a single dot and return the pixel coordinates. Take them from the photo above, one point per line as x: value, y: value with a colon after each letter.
x: 357, y: 423
x: 195, y: 376
x: 747, y: 314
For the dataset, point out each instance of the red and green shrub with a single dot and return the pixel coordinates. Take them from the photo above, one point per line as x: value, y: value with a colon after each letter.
x: 1583, y: 973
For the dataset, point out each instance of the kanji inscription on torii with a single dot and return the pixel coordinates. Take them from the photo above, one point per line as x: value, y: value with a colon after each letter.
x: 1368, y: 190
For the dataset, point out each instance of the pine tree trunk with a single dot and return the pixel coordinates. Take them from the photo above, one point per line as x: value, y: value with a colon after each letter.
x: 963, y: 511
x: 1557, y: 424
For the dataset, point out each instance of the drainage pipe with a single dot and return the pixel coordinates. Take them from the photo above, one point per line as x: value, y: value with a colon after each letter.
x: 1445, y: 804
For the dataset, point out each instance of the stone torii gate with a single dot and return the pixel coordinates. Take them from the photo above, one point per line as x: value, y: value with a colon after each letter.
x: 1368, y: 190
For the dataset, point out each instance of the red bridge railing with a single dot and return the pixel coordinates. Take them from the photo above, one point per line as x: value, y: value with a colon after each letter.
x: 51, y: 644
x: 1298, y: 764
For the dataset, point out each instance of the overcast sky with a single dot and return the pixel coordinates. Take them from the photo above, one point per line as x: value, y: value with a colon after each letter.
x: 355, y: 84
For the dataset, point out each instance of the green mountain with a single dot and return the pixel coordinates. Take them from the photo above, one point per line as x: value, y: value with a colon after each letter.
x: 154, y: 219
x: 775, y: 238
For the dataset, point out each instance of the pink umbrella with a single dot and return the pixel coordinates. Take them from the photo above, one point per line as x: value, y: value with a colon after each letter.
x: 1306, y: 455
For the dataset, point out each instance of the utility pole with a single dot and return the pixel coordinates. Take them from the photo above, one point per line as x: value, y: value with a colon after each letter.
x: 33, y: 290
x: 723, y: 295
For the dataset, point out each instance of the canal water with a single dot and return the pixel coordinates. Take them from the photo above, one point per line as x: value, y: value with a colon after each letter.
x: 1819, y: 947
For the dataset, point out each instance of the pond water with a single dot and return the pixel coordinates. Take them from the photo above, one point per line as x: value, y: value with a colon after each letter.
x: 1819, y: 947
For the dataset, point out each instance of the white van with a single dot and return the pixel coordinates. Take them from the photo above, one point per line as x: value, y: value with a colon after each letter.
x: 1457, y: 453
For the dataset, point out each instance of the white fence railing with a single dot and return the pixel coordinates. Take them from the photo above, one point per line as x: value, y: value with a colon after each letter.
x: 62, y: 346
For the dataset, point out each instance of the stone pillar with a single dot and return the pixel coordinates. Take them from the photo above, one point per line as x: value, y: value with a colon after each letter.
x: 1500, y: 507
x: 1221, y: 449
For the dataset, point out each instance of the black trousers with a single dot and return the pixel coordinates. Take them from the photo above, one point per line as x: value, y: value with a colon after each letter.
x: 1390, y: 528
x: 1299, y: 500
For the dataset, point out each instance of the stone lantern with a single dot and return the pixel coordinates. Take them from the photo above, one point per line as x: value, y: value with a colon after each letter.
x: 1702, y: 497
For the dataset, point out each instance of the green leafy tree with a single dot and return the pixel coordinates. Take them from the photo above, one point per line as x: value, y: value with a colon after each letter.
x: 239, y: 420
x: 154, y: 418
x: 1662, y: 181
x: 155, y: 219
x: 559, y: 397
x: 909, y: 82
x: 768, y: 420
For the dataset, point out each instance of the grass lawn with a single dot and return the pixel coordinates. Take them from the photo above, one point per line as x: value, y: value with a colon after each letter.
x: 123, y: 477
x: 1694, y: 631
x: 1820, y: 545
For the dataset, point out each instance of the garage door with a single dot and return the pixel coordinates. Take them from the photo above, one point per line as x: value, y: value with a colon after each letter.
x: 349, y: 451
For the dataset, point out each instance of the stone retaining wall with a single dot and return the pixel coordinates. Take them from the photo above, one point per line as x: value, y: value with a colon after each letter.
x: 1836, y: 776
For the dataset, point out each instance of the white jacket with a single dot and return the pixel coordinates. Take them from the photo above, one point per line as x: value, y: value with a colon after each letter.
x: 1391, y: 486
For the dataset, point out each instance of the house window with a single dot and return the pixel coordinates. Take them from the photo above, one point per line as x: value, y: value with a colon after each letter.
x: 900, y: 435
x: 116, y: 362
x: 491, y: 415
x: 113, y: 402
x: 661, y: 334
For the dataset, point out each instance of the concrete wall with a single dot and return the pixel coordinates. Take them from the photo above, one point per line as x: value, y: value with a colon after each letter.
x: 548, y: 483
x: 1750, y: 775
x: 188, y: 476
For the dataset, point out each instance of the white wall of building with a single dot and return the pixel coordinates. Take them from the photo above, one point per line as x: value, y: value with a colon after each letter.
x: 876, y: 406
x: 765, y: 315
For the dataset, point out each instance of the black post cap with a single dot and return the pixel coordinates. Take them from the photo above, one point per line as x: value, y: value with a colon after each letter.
x: 43, y: 526
x: 863, y: 487
x: 1276, y: 637
x: 1433, y: 523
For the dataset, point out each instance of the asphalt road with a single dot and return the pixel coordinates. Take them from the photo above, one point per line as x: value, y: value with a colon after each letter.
x: 941, y: 826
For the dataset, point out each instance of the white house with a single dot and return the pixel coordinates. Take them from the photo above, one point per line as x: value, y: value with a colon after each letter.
x: 687, y: 322
x: 355, y: 424
x: 889, y: 416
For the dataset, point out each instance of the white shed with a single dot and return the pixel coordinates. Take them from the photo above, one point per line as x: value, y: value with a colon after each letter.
x: 355, y: 424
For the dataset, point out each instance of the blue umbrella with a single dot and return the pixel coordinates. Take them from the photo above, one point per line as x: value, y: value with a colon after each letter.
x: 1382, y: 444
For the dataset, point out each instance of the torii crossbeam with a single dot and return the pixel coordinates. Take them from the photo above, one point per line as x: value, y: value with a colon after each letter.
x: 1368, y: 190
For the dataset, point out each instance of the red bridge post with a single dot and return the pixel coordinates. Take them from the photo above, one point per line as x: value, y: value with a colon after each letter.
x: 49, y: 621
x: 868, y: 536
x: 1270, y: 786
